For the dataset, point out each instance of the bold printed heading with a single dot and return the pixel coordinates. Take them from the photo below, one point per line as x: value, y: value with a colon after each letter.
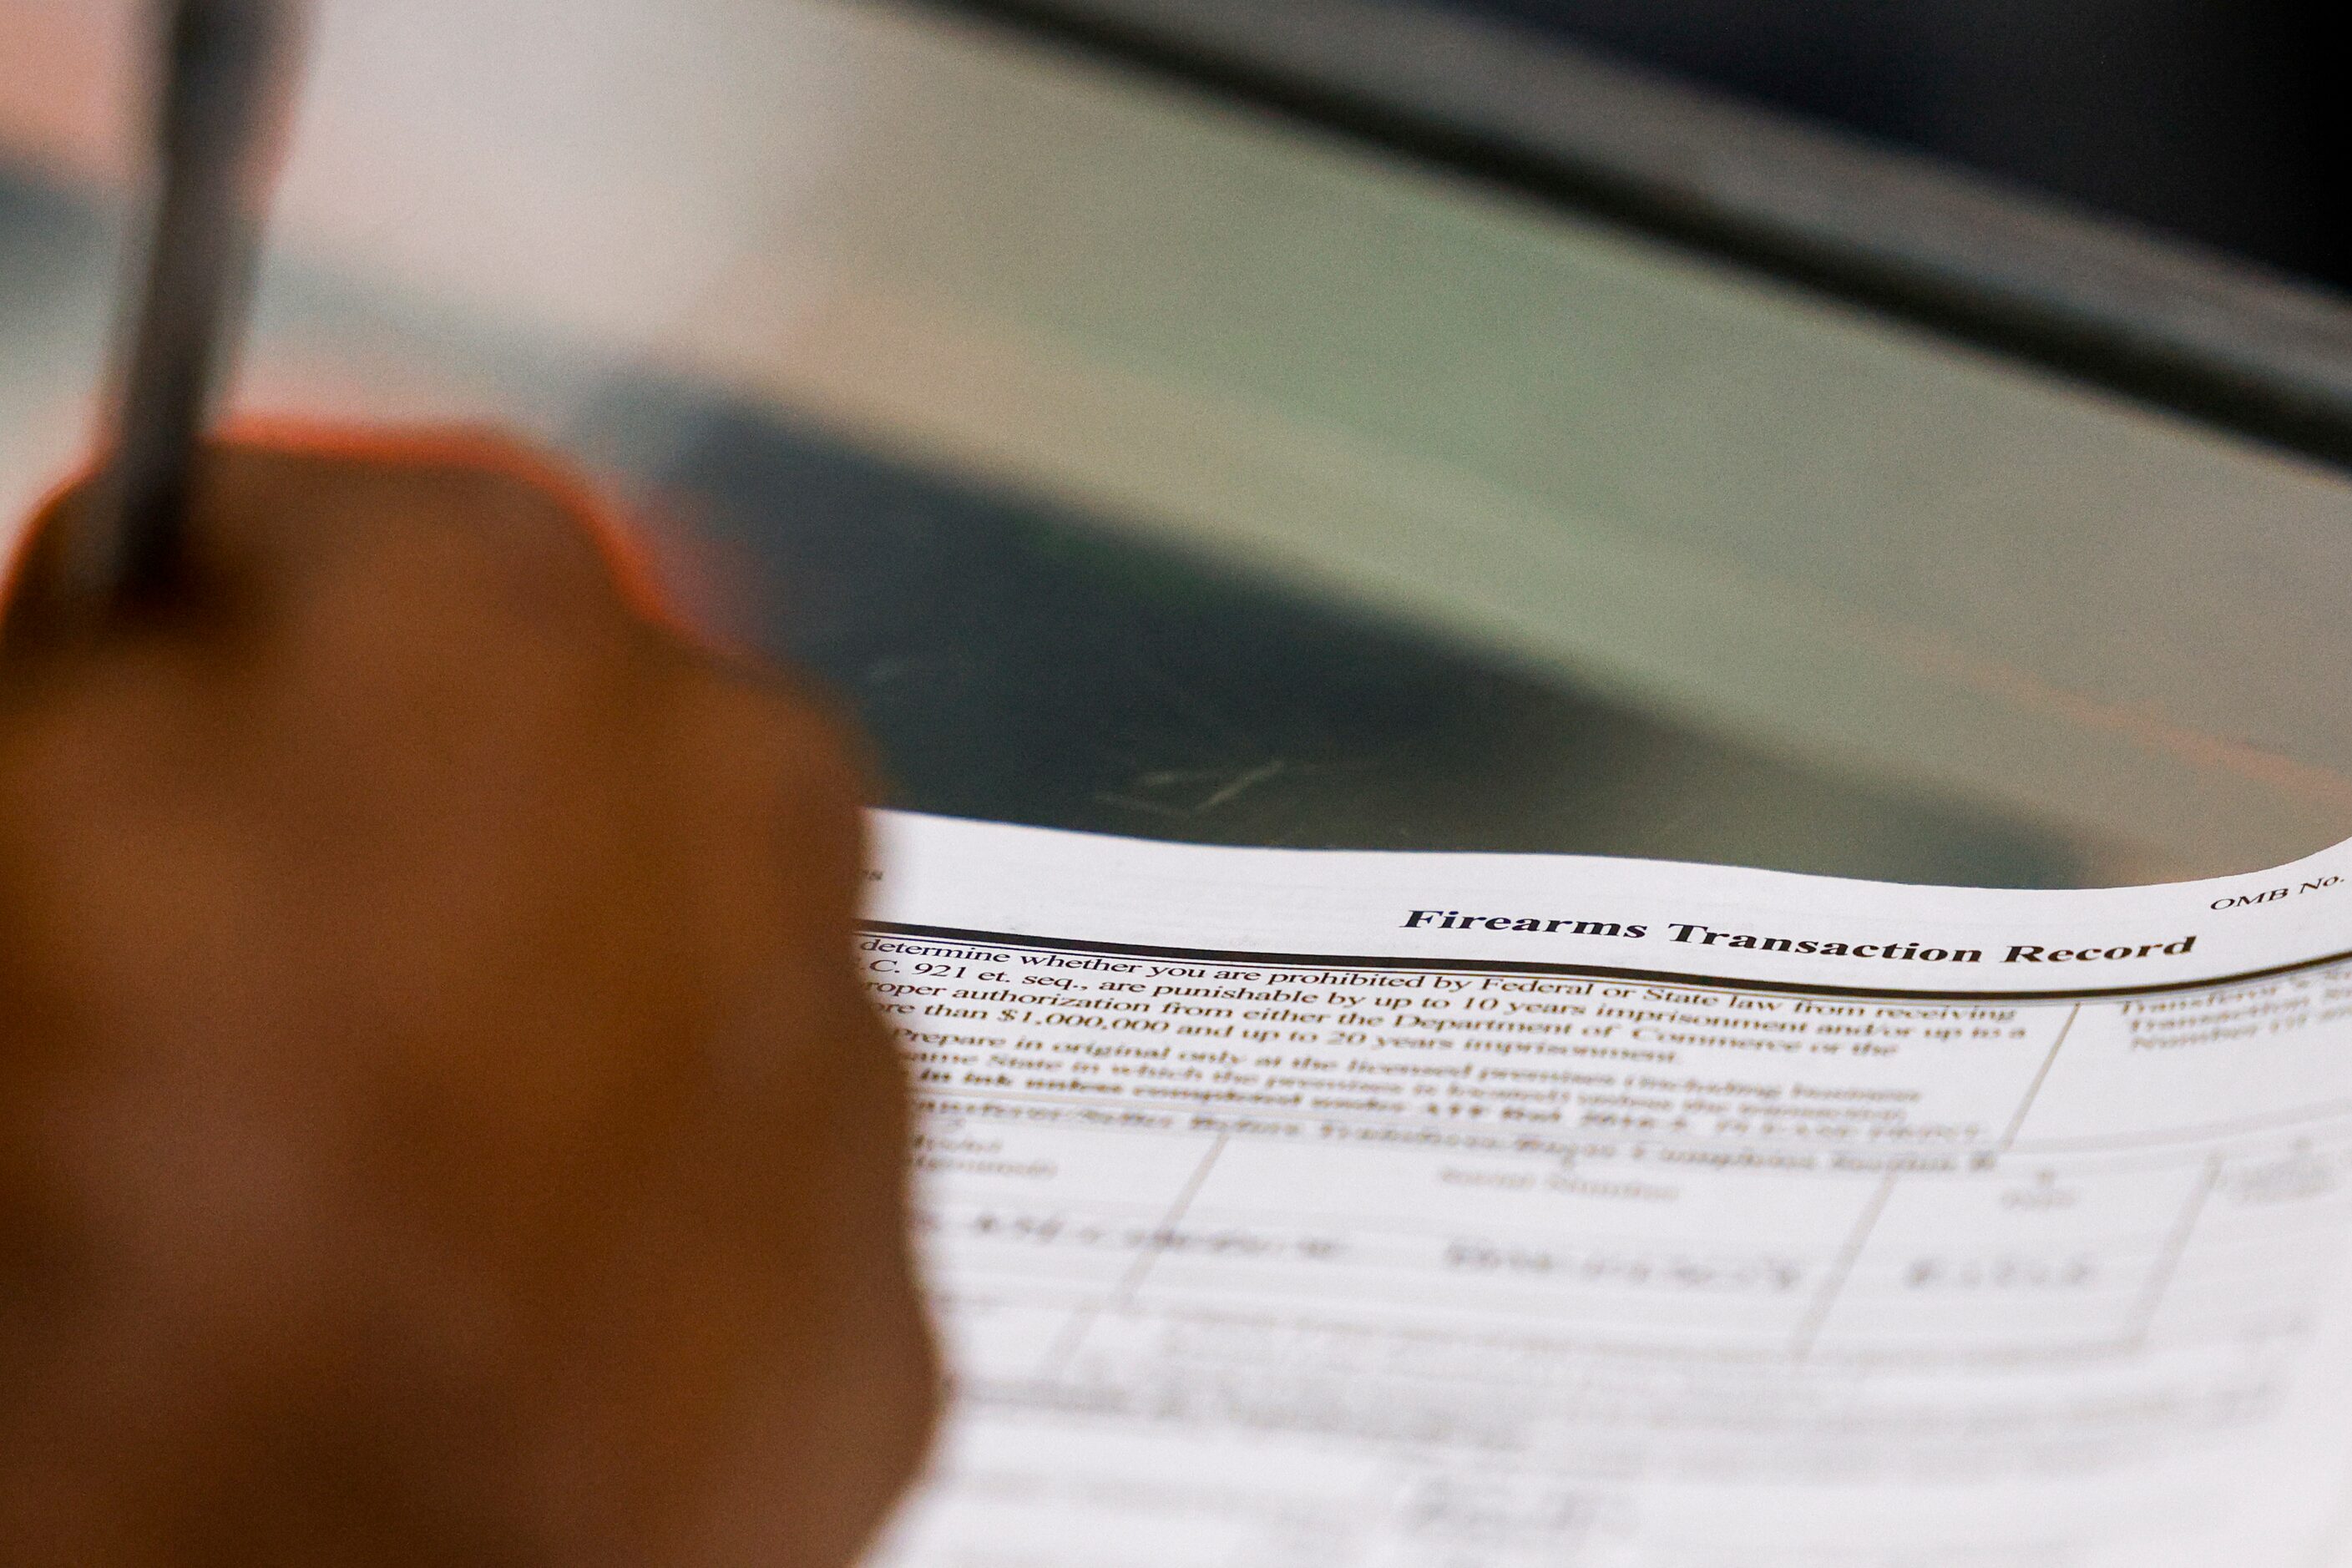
x: 1898, y: 949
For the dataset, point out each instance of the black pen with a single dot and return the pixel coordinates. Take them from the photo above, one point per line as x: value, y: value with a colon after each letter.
x: 223, y: 72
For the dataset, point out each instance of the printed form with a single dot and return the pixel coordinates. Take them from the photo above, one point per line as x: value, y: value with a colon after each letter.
x: 1303, y: 1210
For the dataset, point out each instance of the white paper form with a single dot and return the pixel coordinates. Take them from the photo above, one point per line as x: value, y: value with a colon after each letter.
x: 1296, y: 1209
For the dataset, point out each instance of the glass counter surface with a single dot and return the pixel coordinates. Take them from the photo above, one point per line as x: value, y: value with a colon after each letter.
x: 1134, y: 462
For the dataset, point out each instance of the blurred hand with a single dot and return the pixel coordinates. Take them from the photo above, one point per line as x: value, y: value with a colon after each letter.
x: 440, y: 1118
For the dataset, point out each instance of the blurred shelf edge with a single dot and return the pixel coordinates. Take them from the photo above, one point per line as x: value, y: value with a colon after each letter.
x: 2161, y: 321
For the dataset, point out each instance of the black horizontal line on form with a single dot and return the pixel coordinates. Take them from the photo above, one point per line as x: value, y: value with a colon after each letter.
x: 1589, y: 971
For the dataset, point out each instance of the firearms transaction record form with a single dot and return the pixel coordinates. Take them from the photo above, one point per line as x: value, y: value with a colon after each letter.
x: 1319, y: 1209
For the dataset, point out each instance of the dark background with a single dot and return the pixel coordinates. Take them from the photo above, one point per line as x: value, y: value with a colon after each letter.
x: 2220, y: 121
